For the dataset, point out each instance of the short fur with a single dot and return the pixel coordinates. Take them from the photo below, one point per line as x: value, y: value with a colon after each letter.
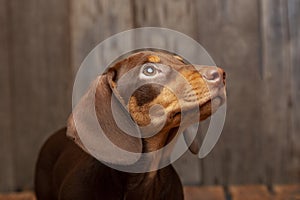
x: 66, y: 170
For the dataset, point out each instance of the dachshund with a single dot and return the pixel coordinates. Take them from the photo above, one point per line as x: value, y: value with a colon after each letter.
x: 164, y: 89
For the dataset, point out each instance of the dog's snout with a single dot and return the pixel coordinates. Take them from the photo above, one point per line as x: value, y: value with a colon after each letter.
x: 214, y: 74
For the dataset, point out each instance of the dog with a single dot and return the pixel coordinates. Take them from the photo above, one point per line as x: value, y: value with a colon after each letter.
x: 67, y: 169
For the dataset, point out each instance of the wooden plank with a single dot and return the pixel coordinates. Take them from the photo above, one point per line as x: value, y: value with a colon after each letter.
x: 18, y: 196
x: 91, y: 23
x: 276, y: 90
x: 204, y: 193
x: 290, y: 192
x: 294, y: 138
x: 41, y: 82
x: 176, y: 15
x: 249, y: 192
x: 6, y: 153
x: 94, y: 21
x: 229, y: 30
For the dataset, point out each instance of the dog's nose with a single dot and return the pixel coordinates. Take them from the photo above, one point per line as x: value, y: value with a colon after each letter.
x: 214, y: 74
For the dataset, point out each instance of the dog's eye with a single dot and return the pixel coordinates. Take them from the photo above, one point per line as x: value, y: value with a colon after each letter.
x: 149, y: 69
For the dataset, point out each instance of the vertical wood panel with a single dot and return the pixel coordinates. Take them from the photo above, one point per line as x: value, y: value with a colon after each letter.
x: 173, y: 14
x: 95, y: 20
x: 6, y: 154
x: 41, y: 77
x: 276, y: 90
x: 229, y: 30
x: 294, y: 30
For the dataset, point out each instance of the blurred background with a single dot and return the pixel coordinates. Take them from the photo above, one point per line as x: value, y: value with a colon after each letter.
x: 257, y: 42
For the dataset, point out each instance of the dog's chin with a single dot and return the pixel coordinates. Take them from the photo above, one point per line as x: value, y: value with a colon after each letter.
x: 211, y: 106
x: 206, y: 109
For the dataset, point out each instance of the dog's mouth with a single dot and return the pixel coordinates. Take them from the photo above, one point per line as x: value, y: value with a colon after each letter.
x: 216, y: 100
x: 213, y: 104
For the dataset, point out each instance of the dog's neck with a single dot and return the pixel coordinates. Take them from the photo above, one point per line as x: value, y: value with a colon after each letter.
x: 159, y: 140
x: 133, y: 181
x: 156, y: 144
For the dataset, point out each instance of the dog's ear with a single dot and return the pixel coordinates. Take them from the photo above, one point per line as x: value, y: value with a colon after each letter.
x: 93, y: 125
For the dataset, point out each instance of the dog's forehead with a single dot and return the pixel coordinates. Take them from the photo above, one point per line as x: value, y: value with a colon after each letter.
x: 150, y: 56
x: 142, y: 57
x: 156, y: 57
x: 139, y: 58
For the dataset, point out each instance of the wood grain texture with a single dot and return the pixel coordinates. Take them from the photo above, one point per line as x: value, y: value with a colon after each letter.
x: 294, y: 106
x: 276, y: 90
x: 284, y: 192
x: 7, y: 181
x: 229, y: 30
x: 204, y: 193
x: 41, y: 79
x: 249, y: 192
x: 173, y: 14
x: 93, y: 21
x: 18, y: 196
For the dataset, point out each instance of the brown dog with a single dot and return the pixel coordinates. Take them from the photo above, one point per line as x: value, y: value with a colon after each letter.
x: 68, y: 171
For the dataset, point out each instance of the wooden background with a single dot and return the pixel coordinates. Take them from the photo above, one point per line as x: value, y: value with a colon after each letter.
x: 257, y: 42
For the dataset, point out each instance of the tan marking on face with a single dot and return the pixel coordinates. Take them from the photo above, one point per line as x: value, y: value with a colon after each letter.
x: 198, y: 90
x: 140, y: 114
x: 153, y: 58
x: 178, y: 58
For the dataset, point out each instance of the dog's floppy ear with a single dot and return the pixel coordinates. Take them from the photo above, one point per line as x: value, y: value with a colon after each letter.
x: 93, y: 127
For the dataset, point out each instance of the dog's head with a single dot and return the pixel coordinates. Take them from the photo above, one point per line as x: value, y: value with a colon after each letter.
x: 154, y: 92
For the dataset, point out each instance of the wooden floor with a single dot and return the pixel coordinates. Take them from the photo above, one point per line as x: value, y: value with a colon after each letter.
x: 249, y: 192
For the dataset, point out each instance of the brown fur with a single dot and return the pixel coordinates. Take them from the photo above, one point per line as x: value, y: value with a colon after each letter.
x: 66, y: 170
